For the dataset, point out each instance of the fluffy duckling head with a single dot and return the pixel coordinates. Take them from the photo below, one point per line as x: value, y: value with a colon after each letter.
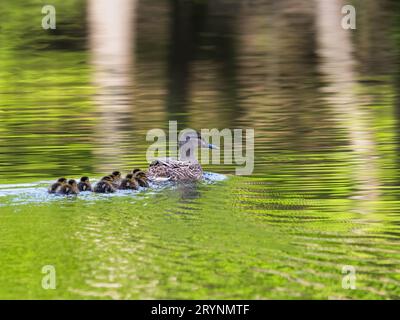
x: 129, y: 176
x: 62, y: 180
x: 116, y: 175
x: 72, y: 182
x: 85, y: 179
x: 139, y: 173
x: 107, y: 178
x: 140, y: 177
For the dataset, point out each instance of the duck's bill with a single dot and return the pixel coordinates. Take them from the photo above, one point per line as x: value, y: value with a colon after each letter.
x: 212, y: 146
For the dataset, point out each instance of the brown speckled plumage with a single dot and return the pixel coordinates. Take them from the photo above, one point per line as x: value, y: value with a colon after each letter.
x: 174, y: 170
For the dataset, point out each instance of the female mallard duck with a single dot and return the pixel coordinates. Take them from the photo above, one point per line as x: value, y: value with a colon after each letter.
x: 84, y: 184
x: 186, y: 168
x: 105, y: 185
x: 128, y: 183
x: 141, y: 178
x: 69, y: 188
x: 57, y: 185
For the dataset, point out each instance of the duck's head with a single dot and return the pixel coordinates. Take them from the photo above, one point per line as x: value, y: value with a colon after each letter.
x: 85, y: 179
x: 194, y: 139
x: 62, y: 180
x: 116, y: 175
x: 72, y: 182
x: 107, y: 178
x: 139, y: 173
x: 129, y: 176
x: 189, y: 142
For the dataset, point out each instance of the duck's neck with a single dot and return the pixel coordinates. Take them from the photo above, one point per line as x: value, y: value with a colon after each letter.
x: 188, y: 153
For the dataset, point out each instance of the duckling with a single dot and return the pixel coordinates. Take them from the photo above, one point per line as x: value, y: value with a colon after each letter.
x: 117, y: 178
x: 84, y: 184
x: 105, y: 185
x: 128, y: 182
x: 141, y: 178
x: 70, y: 188
x: 57, y: 185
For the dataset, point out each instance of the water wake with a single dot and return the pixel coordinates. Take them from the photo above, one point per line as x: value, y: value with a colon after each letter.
x: 36, y: 192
